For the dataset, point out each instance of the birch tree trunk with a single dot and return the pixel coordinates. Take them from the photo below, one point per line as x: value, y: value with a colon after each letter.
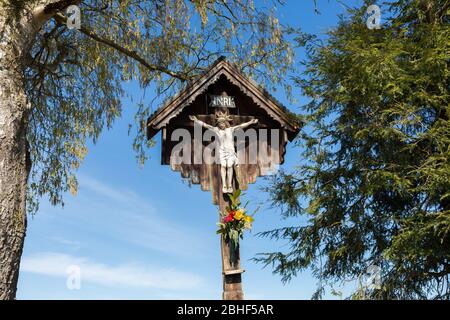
x: 17, y: 34
x: 13, y: 179
x: 14, y: 160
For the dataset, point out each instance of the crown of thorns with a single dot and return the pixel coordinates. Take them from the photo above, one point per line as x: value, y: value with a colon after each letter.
x: 223, y: 117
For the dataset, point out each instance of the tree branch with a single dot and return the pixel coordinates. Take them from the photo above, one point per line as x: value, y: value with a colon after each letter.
x: 129, y: 53
x: 43, y: 13
x: 55, y: 7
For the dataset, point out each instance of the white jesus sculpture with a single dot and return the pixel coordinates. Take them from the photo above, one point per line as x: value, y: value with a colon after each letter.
x: 227, y: 153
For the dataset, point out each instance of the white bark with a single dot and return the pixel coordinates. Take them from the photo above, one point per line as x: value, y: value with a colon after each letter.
x: 17, y: 36
x: 13, y: 152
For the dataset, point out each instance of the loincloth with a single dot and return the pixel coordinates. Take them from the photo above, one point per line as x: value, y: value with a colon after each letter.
x: 228, y: 157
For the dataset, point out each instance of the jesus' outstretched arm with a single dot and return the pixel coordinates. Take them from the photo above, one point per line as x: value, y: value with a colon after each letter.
x: 245, y: 124
x: 203, y: 124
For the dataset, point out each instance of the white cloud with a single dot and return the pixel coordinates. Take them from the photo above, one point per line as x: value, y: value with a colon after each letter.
x: 104, y: 190
x: 126, y: 275
x: 140, y: 222
x: 75, y: 245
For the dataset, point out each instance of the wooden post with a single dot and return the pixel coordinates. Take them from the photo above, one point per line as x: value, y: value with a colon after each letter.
x: 231, y: 266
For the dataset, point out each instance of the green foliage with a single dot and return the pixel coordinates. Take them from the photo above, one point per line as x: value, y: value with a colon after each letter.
x: 234, y: 199
x: 74, y: 78
x: 374, y: 181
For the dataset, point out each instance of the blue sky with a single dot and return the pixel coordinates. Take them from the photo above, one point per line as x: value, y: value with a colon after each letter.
x: 141, y: 233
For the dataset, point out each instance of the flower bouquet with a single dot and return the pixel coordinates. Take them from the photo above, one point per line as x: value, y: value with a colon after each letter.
x: 235, y: 220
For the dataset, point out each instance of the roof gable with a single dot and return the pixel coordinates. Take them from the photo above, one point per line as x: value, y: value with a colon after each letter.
x: 169, y: 110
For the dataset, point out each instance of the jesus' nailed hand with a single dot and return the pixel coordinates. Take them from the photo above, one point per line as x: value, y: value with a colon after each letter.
x: 227, y: 152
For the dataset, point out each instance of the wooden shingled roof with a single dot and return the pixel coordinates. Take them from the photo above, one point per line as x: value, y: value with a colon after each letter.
x: 221, y: 67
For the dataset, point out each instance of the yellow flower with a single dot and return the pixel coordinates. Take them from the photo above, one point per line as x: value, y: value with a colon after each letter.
x: 249, y: 219
x: 239, y: 215
x: 248, y: 222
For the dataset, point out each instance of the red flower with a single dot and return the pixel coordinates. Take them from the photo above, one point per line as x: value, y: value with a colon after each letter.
x: 229, y: 217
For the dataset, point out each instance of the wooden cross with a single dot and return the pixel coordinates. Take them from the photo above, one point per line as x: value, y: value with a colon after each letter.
x: 248, y: 101
x: 231, y: 265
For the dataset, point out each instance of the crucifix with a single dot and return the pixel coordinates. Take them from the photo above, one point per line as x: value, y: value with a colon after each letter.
x: 227, y: 151
x: 240, y: 104
x: 228, y: 162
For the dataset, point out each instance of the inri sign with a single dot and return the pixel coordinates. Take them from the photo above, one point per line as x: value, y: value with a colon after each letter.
x: 222, y: 101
